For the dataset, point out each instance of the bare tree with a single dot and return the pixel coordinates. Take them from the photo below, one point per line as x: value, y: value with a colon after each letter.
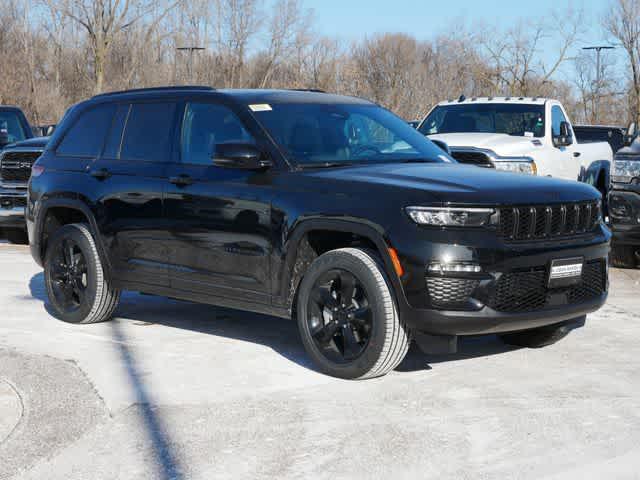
x: 517, y: 67
x: 104, y: 20
x: 623, y: 24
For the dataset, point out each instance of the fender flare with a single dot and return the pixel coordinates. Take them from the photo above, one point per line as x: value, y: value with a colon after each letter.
x: 72, y: 204
x: 360, y: 227
x: 591, y: 173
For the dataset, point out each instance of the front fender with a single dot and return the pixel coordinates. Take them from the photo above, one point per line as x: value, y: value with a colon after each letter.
x: 293, y: 248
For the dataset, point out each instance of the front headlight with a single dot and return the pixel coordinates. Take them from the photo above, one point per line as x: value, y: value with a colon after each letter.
x: 517, y: 166
x: 451, y: 216
x: 625, y: 171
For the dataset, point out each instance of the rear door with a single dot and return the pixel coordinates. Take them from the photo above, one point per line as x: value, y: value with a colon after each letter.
x: 130, y: 178
x: 220, y: 218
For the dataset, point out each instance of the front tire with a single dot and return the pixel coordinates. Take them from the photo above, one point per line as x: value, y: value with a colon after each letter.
x: 543, y: 336
x: 348, y: 318
x: 74, y: 278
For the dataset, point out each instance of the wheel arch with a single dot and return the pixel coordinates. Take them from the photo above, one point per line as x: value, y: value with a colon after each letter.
x: 310, y: 238
x: 56, y: 212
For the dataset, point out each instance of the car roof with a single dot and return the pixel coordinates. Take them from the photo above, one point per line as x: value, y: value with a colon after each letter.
x: 245, y: 96
x: 10, y: 107
x: 489, y: 100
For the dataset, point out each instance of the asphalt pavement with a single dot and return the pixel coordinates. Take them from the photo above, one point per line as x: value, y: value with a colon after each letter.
x: 174, y: 390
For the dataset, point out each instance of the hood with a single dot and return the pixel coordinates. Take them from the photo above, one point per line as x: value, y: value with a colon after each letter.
x: 447, y: 183
x: 500, y: 143
x: 632, y: 150
x: 37, y: 142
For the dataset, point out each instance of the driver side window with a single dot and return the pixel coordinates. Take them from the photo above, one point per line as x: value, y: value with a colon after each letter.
x: 557, y: 117
x: 205, y: 126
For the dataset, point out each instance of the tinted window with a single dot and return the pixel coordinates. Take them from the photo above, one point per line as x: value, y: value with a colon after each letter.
x: 207, y: 125
x: 86, y: 137
x: 557, y: 117
x: 114, y: 139
x: 10, y: 123
x: 520, y: 120
x: 148, y: 132
x: 317, y: 134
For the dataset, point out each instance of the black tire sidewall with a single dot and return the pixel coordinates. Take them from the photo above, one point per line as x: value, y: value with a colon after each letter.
x: 83, y: 243
x: 363, y: 364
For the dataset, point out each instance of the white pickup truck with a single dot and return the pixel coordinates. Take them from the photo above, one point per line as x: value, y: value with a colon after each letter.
x: 527, y: 135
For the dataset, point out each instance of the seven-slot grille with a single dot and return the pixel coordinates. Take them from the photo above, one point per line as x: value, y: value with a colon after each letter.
x: 549, y: 221
x: 15, y: 166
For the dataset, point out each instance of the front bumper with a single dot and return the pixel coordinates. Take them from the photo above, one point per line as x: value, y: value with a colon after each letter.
x: 482, y: 314
x: 12, y: 205
x: 624, y: 214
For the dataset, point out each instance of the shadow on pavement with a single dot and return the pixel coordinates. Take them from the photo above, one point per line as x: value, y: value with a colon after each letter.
x: 169, y: 467
x: 279, y: 334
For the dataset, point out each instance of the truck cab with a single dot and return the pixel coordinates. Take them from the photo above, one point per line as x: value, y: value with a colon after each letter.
x: 18, y: 151
x: 526, y: 135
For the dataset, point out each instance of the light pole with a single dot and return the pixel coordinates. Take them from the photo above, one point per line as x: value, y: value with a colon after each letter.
x: 190, y: 65
x: 598, y: 49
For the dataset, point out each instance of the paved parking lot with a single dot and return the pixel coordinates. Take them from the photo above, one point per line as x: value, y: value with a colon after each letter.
x: 177, y: 390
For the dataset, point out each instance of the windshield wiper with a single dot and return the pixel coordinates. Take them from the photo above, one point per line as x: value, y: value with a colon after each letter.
x: 324, y: 164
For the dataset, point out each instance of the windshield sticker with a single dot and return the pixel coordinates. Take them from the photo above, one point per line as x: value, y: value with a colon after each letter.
x: 528, y: 134
x: 260, y: 107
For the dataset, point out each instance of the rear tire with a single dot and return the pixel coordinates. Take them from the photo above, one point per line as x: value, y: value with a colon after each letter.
x: 348, y: 318
x: 543, y: 336
x: 17, y: 236
x: 74, y: 277
x: 623, y: 256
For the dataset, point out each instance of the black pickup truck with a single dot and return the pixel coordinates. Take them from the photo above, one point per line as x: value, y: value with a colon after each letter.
x: 18, y: 151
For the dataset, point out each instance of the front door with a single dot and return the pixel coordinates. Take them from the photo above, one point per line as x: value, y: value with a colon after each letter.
x: 566, y: 161
x: 220, y: 218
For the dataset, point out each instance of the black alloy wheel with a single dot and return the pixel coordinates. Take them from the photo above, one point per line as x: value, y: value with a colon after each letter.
x: 69, y: 276
x: 339, y: 316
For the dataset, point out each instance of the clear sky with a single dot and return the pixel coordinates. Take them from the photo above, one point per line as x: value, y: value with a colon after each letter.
x: 354, y: 19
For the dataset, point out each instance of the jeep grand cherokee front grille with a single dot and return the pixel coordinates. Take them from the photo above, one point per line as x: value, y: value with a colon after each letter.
x: 548, y: 221
x: 15, y: 166
x: 526, y: 290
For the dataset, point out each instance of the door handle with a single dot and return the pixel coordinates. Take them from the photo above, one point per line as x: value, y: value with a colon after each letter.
x: 100, y: 174
x: 576, y: 154
x: 181, y: 180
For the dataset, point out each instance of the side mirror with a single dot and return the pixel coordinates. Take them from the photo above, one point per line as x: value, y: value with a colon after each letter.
x: 243, y: 156
x: 565, y: 138
x: 4, y: 138
x: 443, y: 146
x: 630, y: 136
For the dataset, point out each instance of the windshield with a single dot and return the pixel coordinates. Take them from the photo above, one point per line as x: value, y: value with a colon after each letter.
x: 10, y: 122
x: 513, y: 119
x: 333, y: 135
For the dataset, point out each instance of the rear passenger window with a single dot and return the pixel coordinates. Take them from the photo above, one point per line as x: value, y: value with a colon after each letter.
x: 114, y: 139
x: 86, y: 137
x: 148, y: 132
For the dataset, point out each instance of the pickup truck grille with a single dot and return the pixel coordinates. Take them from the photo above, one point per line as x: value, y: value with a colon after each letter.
x: 15, y: 166
x: 526, y: 291
x: 474, y: 158
x: 548, y: 222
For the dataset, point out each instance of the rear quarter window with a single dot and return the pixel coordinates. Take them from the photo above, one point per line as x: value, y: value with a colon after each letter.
x: 86, y: 136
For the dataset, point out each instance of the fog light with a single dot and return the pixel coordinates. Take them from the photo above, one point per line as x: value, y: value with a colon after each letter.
x: 438, y: 267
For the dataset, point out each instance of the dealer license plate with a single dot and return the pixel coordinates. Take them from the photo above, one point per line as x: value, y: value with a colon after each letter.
x: 565, y: 272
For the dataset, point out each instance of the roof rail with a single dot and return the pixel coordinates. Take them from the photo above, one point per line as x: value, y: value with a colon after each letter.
x: 314, y: 90
x: 156, y: 89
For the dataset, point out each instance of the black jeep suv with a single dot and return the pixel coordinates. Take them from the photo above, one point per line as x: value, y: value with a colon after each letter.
x: 326, y: 208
